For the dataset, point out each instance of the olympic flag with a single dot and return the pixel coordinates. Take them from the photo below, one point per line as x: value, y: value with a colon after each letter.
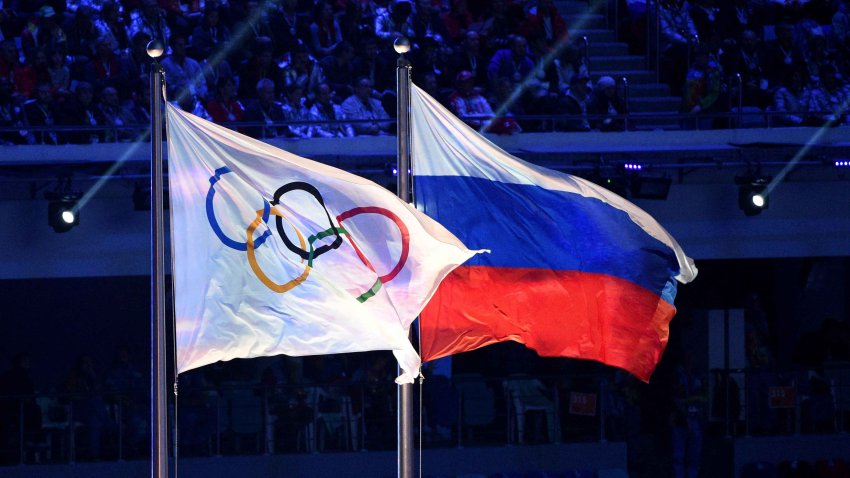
x: 575, y: 270
x: 277, y: 254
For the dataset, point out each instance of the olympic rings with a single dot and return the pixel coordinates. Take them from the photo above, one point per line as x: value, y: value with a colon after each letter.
x: 311, y: 254
x: 239, y: 246
x: 252, y: 260
x: 304, y: 249
x: 405, y: 238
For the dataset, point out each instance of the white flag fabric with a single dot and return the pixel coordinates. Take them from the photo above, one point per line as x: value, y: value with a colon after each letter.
x: 276, y: 254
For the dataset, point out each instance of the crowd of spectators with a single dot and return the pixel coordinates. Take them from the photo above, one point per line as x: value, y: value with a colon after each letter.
x: 791, y: 58
x: 83, y: 63
x: 77, y: 71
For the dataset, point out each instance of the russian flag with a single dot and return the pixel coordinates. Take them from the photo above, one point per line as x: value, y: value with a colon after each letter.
x: 573, y: 270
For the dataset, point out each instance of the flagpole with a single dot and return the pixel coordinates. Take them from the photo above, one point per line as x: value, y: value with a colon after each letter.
x: 159, y: 424
x: 405, y: 390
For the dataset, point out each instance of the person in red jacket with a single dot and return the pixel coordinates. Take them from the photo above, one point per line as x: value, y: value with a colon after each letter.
x: 544, y: 20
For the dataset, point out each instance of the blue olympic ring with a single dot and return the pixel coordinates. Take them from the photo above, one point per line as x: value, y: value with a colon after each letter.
x: 239, y: 246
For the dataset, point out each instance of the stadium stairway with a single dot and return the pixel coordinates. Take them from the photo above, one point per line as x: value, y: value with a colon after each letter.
x: 610, y: 57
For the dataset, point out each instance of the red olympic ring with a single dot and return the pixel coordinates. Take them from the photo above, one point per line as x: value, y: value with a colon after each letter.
x: 405, y: 238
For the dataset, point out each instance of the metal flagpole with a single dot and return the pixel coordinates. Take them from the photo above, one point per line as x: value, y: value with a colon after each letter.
x: 405, y: 391
x: 159, y: 423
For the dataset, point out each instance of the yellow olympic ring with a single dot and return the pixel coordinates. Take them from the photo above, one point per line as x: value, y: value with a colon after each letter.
x: 252, y: 260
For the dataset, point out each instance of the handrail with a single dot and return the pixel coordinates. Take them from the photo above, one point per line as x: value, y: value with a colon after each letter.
x: 595, y: 389
x: 634, y: 117
x: 586, y: 43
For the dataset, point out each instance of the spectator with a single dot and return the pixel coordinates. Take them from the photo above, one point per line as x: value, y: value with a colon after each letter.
x: 40, y: 112
x: 747, y: 60
x: 469, y: 58
x: 150, y: 20
x: 841, y: 27
x: 827, y: 103
x: 361, y: 106
x: 112, y: 113
x: 213, y: 71
x: 325, y: 33
x: 677, y: 33
x: 705, y: 16
x: 574, y: 104
x: 40, y: 66
x: 82, y: 37
x: 105, y: 67
x: 302, y: 70
x: 513, y: 62
x: 175, y: 17
x: 60, y: 75
x: 10, y: 114
x: 788, y: 101
x: 605, y: 104
x: 497, y: 29
x: 570, y: 61
x: 457, y: 21
x: 373, y: 65
x: 110, y: 26
x: 468, y: 104
x: 23, y: 75
x: 324, y: 109
x: 9, y: 60
x: 266, y: 110
x: 702, y: 86
x: 432, y: 57
x: 260, y: 65
x: 225, y: 107
x: 136, y: 61
x: 506, y: 109
x: 211, y: 35
x: 289, y: 24
x: 139, y: 102
x: 43, y: 31
x: 818, y: 54
x: 426, y: 19
x: 430, y: 86
x: 260, y: 31
x: 395, y: 21
x: 184, y: 74
x: 338, y: 69
x: 735, y: 16
x: 781, y: 56
x: 295, y: 111
x: 544, y: 20
x: 81, y: 110
x: 192, y: 104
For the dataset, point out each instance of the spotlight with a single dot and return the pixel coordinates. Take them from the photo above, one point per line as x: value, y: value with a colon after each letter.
x: 62, y: 212
x: 752, y: 194
x: 633, y: 167
x: 842, y: 163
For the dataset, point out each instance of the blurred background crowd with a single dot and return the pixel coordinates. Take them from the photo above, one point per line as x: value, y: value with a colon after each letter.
x: 330, y: 65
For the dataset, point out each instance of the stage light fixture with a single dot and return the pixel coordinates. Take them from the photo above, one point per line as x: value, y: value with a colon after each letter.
x: 753, y: 196
x: 842, y: 163
x: 62, y: 212
x: 633, y: 167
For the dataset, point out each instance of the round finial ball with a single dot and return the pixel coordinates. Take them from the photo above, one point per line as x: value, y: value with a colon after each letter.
x: 401, y: 45
x: 155, y: 48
